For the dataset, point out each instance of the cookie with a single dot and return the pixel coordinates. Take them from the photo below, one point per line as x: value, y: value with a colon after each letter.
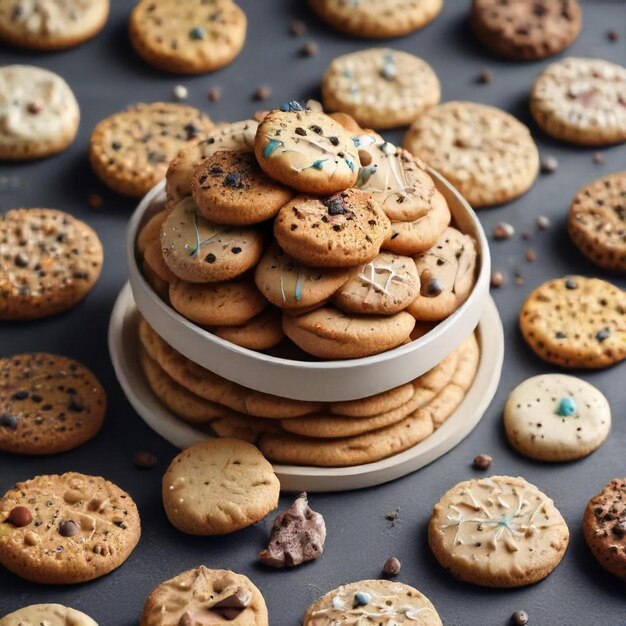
x: 158, y: 285
x: 553, y: 417
x: 49, y: 614
x: 51, y: 24
x: 237, y: 136
x: 410, y: 238
x: 576, y: 322
x: 200, y: 251
x: 211, y: 596
x: 131, y: 150
x: 51, y: 261
x: 230, y: 188
x: 377, y: 19
x: 212, y: 387
x: 306, y: 150
x: 375, y: 602
x: 328, y: 333
x: 293, y: 286
x: 230, y: 303
x: 205, y: 36
x: 150, y: 231
x: 526, y: 31
x: 244, y: 427
x: 343, y: 230
x: 604, y: 525
x: 499, y: 531
x: 487, y: 154
x: 39, y: 114
x: 262, y: 332
x: 380, y: 88
x: 447, y: 273
x: 581, y: 101
x: 154, y: 262
x: 384, y: 286
x: 597, y: 222
x: 219, y: 486
x: 48, y: 404
x: 374, y: 405
x: 298, y: 536
x: 66, y: 529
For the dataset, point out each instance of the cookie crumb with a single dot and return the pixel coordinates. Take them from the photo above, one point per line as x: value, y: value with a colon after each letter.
x: 527, y: 235
x: 485, y: 77
x: 392, y: 517
x: 309, y: 49
x: 180, y: 92
x: 144, y: 460
x: 95, y: 200
x: 262, y: 93
x: 519, y: 279
x: 598, y: 158
x: 549, y: 165
x: 297, y: 28
x: 519, y: 618
x: 214, y: 94
x: 543, y: 222
x: 497, y: 280
x: 503, y: 231
x: 392, y: 566
x: 613, y: 35
x: 482, y: 462
x: 531, y: 256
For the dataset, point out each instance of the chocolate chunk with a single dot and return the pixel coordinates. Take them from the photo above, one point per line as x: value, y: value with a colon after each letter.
x: 230, y: 608
x: 335, y: 205
x: 197, y: 33
x: 20, y: 516
x: 210, y: 258
x: 21, y: 259
x: 434, y: 287
x: 570, y: 283
x: 298, y: 535
x: 482, y: 462
x: 300, y: 131
x: 603, y: 334
x: 233, y: 180
x: 20, y: 395
x: 191, y: 130
x: 68, y: 529
x: 392, y: 566
x: 8, y: 421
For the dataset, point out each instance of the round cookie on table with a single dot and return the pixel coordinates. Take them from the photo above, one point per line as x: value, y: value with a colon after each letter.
x: 131, y: 150
x: 39, y: 114
x: 219, y: 486
x: 581, y: 101
x: 204, y: 37
x: 487, y: 154
x: 526, y: 31
x: 604, y: 525
x: 499, y: 531
x: 66, y: 529
x: 50, y: 24
x: 48, y: 404
x: 221, y: 596
x: 50, y: 259
x: 553, y: 417
x: 373, y: 601
x: 597, y: 221
x: 48, y: 614
x: 576, y: 322
x: 380, y: 88
x: 376, y: 19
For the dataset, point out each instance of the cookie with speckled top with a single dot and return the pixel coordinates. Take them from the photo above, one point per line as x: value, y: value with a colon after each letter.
x: 230, y: 188
x: 200, y: 251
x: 131, y: 150
x: 447, y: 273
x: 487, y: 154
x: 48, y: 404
x: 581, y: 101
x: 343, y: 230
x: 48, y: 614
x: 66, y: 529
x: 377, y: 19
x: 306, y: 150
x: 384, y: 286
x: 380, y: 88
x: 219, y: 486
x: 51, y: 24
x: 499, y: 531
x: 328, y: 333
x: 526, y: 31
x: 39, y: 114
x: 554, y: 417
x: 604, y: 525
x: 200, y: 37
x: 49, y: 261
x: 597, y: 221
x: 212, y: 596
x: 576, y: 322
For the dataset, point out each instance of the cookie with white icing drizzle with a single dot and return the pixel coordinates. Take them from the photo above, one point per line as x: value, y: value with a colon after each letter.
x: 380, y: 602
x: 499, y: 531
x: 306, y: 150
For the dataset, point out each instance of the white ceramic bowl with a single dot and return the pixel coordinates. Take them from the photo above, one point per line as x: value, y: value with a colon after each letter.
x: 328, y: 381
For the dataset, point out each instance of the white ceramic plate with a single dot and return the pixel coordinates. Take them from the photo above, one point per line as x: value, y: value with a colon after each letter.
x: 302, y: 379
x: 124, y: 349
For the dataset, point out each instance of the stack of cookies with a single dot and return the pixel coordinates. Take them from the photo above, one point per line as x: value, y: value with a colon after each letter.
x: 306, y: 225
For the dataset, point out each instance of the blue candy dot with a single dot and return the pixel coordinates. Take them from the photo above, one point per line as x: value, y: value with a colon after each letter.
x: 197, y: 32
x: 567, y: 407
x: 361, y: 598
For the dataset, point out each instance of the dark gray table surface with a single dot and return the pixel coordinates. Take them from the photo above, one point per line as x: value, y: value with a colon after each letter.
x: 106, y: 76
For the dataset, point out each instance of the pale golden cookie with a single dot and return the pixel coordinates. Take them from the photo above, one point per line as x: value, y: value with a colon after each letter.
x: 487, y: 154
x: 48, y: 615
x: 497, y: 532
x: 67, y: 529
x: 245, y: 427
x: 212, y: 596
x: 576, y: 322
x: 374, y: 405
x: 219, y: 486
x: 379, y: 87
